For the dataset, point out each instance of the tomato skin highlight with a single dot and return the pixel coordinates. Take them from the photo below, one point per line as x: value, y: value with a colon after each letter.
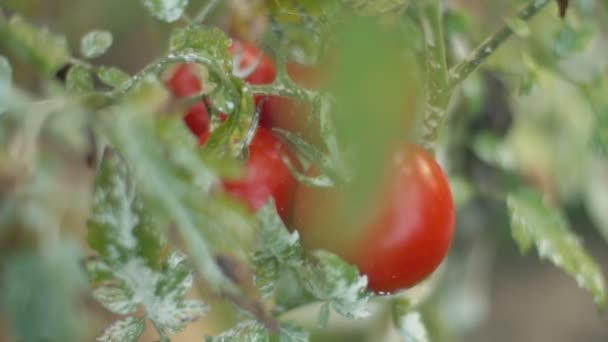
x: 407, y: 234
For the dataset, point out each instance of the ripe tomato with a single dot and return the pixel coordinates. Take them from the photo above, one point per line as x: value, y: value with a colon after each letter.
x: 265, y: 174
x: 255, y: 66
x: 404, y: 236
x: 183, y: 82
x: 247, y: 55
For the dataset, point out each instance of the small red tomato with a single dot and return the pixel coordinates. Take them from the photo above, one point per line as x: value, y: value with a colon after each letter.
x: 254, y: 66
x: 197, y: 118
x: 404, y: 236
x: 184, y: 82
x: 265, y: 174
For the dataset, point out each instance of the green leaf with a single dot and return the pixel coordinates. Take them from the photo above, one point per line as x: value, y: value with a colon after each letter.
x: 231, y: 138
x: 568, y: 40
x: 95, y: 43
x: 45, y: 51
x: 266, y: 275
x: 112, y: 76
x: 244, y: 331
x: 42, y: 291
x: 331, y: 279
x: 534, y: 223
x: 117, y: 227
x: 411, y: 328
x: 6, y: 72
x: 518, y: 26
x: 372, y: 108
x: 275, y: 239
x: 166, y: 10
x: 177, y: 318
x: 115, y: 298
x: 97, y: 270
x: 208, y: 41
x: 79, y: 79
x: 126, y: 330
x: 292, y: 333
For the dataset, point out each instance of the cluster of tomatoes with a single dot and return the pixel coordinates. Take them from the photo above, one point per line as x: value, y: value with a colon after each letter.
x: 410, y: 228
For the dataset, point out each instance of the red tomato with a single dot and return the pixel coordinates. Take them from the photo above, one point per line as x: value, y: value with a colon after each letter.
x: 264, y: 71
x: 197, y: 118
x: 406, y: 233
x: 184, y: 82
x: 265, y: 174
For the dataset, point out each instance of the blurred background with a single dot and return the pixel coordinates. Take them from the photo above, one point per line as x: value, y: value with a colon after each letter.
x: 529, y: 111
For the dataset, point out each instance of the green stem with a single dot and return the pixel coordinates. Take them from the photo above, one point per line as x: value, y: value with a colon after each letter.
x: 202, y: 15
x: 285, y: 89
x: 461, y: 71
x: 187, y: 57
x: 436, y: 73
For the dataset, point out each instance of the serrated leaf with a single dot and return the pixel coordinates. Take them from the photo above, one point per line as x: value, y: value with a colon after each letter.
x: 115, y: 298
x: 166, y: 10
x: 126, y: 330
x: 6, y: 72
x: 209, y: 41
x: 97, y: 270
x: 244, y: 331
x: 95, y: 43
x: 518, y: 26
x: 276, y: 240
x: 45, y: 51
x: 411, y: 328
x: 331, y: 279
x: 116, y: 213
x: 188, y: 311
x: 266, y: 275
x: 79, y: 79
x: 534, y: 223
x: 112, y: 76
x: 292, y: 333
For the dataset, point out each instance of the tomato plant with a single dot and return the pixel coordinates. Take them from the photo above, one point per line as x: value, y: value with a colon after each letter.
x: 105, y: 195
x: 406, y: 236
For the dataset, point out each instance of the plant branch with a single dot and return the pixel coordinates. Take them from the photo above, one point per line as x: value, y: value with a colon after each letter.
x: 188, y: 57
x: 204, y: 12
x: 437, y: 88
x: 461, y: 71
